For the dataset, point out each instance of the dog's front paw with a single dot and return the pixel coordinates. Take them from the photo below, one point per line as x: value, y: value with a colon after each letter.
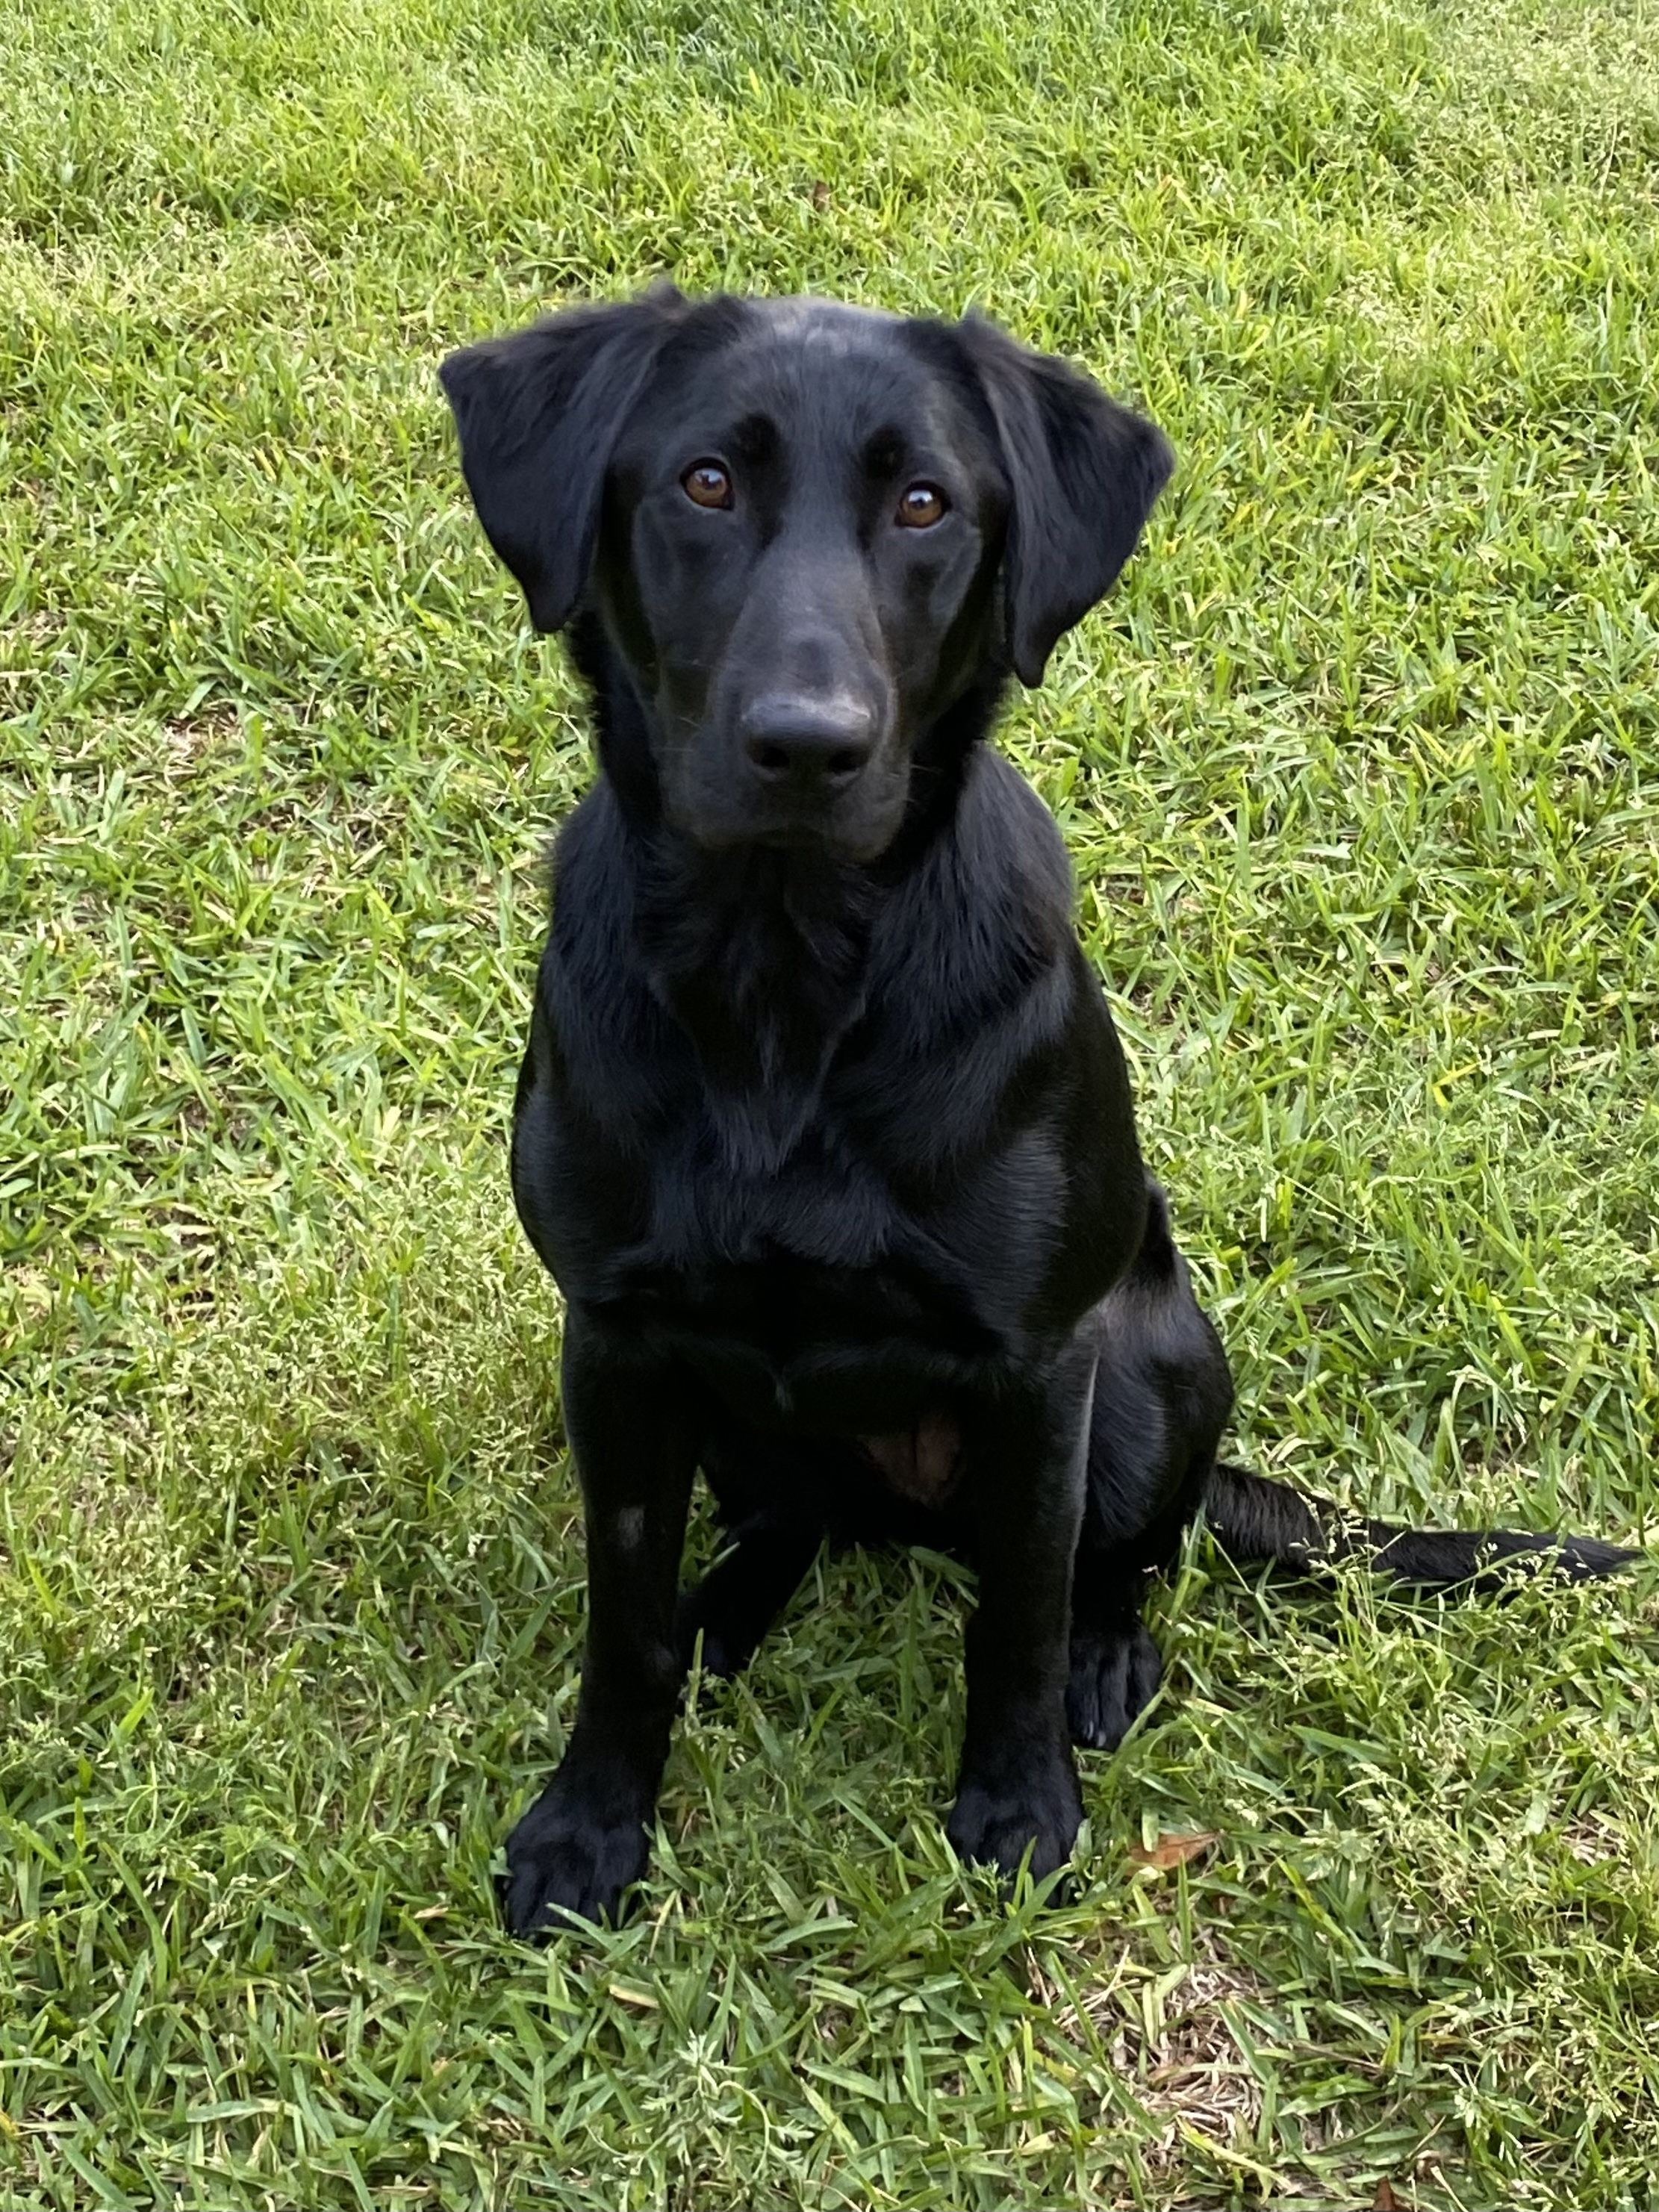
x: 1114, y: 1674
x: 1038, y: 1809
x: 568, y: 1858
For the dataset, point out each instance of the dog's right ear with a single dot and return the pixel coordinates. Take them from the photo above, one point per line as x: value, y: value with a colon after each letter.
x: 538, y: 414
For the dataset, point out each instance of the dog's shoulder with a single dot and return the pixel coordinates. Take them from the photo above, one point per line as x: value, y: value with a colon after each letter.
x: 591, y: 880
x: 1010, y: 848
x: 618, y: 1052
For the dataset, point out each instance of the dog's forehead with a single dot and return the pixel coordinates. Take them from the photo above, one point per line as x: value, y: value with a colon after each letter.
x: 804, y: 320
x: 837, y: 373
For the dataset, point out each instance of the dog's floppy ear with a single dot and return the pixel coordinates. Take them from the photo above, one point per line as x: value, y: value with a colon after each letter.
x: 1084, y: 473
x: 538, y: 414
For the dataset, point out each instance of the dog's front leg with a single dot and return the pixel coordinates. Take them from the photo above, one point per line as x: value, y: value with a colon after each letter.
x: 1027, y: 1455
x: 631, y: 1425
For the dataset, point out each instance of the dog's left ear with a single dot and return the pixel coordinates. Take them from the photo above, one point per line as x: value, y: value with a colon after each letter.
x: 538, y: 414
x: 1084, y: 472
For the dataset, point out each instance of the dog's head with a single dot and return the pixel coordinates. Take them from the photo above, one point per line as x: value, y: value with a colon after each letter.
x: 807, y: 530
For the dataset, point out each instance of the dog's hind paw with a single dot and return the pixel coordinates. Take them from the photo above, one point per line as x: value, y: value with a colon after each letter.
x: 1114, y: 1674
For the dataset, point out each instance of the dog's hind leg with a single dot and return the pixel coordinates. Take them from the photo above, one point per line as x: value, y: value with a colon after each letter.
x: 780, y: 1496
x: 743, y: 1592
x: 771, y: 1493
x: 1115, y: 1664
x: 1162, y: 1393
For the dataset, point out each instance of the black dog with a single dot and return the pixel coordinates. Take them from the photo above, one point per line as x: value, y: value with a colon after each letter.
x: 823, y: 1128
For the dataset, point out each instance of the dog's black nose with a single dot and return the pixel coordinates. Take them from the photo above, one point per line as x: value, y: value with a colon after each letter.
x: 809, y: 739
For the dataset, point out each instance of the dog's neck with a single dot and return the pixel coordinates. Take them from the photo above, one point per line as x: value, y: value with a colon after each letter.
x: 761, y: 956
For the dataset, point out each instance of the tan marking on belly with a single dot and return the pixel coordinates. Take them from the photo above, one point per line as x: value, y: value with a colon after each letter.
x: 921, y: 1463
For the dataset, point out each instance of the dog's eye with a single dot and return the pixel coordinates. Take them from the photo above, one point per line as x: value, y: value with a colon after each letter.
x: 707, y: 483
x: 921, y: 506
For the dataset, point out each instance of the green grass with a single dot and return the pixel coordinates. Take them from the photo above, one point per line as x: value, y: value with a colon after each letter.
x: 1361, y: 772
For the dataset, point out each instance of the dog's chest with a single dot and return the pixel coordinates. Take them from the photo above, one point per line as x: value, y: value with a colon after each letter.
x: 815, y: 1293
x: 817, y: 1247
x: 825, y: 1207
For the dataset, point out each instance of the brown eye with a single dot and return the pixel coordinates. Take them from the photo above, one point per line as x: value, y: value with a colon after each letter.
x: 707, y: 483
x: 921, y: 506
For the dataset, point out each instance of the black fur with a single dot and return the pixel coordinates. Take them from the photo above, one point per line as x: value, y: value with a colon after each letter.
x: 1254, y: 1520
x: 823, y: 1128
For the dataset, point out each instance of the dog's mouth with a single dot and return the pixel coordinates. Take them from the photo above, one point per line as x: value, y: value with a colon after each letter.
x: 831, y: 844
x: 829, y: 840
x: 716, y: 799
x: 789, y: 836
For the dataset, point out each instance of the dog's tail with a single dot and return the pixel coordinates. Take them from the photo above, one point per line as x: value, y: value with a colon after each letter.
x: 1254, y: 1520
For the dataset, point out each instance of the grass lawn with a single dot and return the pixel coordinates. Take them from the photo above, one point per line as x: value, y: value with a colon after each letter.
x: 1360, y: 769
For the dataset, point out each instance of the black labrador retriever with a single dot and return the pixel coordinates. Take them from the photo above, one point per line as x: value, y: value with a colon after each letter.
x: 823, y: 1128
